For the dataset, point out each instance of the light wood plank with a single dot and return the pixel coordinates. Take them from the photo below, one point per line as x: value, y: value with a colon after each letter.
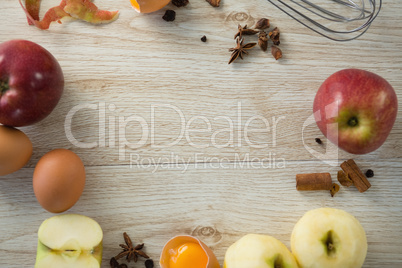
x: 218, y: 205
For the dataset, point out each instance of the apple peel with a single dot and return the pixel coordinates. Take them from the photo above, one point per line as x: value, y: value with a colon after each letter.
x: 33, y: 9
x: 78, y: 9
x: 53, y: 14
x: 88, y: 11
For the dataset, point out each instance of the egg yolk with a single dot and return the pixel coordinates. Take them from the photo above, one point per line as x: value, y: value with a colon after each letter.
x: 135, y: 4
x: 147, y: 6
x: 188, y: 255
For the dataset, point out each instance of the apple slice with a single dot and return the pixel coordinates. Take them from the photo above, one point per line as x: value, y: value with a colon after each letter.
x: 328, y: 237
x: 258, y: 251
x: 69, y: 241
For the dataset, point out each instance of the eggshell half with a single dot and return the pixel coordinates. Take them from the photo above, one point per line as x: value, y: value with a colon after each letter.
x: 180, y: 240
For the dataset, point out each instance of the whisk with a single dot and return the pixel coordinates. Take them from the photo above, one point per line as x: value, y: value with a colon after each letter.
x: 338, y: 20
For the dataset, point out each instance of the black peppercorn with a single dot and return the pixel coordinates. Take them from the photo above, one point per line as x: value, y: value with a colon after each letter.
x: 149, y: 263
x: 318, y: 140
x: 369, y: 173
x: 170, y: 15
x: 204, y: 39
x: 114, y: 263
x: 180, y: 3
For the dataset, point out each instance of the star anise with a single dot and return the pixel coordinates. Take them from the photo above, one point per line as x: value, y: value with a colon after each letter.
x: 130, y: 251
x: 243, y: 30
x: 240, y: 49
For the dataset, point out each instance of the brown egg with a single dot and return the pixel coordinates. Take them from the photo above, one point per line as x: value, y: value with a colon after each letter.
x: 58, y: 180
x: 15, y: 150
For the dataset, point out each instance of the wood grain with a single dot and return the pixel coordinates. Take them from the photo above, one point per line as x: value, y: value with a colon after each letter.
x: 212, y: 149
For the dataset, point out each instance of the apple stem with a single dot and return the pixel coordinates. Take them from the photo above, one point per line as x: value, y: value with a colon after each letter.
x: 3, y: 86
x: 329, y: 244
x: 353, y: 121
x: 278, y: 262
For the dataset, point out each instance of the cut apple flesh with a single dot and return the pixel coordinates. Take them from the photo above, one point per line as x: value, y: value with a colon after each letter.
x: 328, y: 237
x: 69, y: 241
x: 72, y: 232
x: 258, y: 251
x: 67, y: 259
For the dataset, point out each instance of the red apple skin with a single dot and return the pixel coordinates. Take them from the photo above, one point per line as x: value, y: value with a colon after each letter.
x: 31, y: 83
x: 356, y: 94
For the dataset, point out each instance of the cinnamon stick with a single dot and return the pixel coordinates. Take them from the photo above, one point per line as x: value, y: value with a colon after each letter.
x: 313, y: 181
x: 344, y: 179
x: 356, y: 175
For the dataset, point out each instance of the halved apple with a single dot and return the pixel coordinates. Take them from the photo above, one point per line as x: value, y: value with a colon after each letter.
x: 147, y: 6
x: 330, y: 238
x: 69, y: 241
x: 258, y: 251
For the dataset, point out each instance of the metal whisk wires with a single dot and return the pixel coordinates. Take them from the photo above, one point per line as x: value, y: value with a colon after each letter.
x: 338, y: 20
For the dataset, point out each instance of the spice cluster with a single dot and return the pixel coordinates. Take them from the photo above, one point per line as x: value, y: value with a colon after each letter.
x: 131, y: 252
x: 170, y: 15
x: 264, y: 37
x: 349, y: 175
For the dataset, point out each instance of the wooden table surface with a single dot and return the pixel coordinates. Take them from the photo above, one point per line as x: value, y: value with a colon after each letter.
x: 176, y: 141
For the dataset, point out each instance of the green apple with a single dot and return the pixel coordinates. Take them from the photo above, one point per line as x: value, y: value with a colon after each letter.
x: 329, y: 237
x: 69, y: 241
x: 258, y: 251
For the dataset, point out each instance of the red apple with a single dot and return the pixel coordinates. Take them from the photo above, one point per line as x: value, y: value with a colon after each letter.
x: 31, y: 83
x: 355, y: 109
